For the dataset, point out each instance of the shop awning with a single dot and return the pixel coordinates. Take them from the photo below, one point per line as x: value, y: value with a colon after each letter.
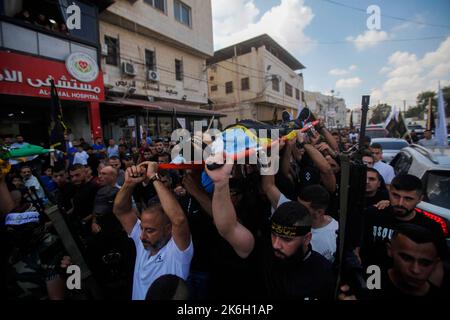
x: 164, y: 107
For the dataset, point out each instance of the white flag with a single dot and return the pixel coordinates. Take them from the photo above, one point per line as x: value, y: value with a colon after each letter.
x: 441, y: 128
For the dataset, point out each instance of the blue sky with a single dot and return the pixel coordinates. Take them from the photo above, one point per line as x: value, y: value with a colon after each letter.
x: 386, y: 63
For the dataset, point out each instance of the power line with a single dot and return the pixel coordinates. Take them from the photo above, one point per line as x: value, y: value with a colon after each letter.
x: 386, y: 15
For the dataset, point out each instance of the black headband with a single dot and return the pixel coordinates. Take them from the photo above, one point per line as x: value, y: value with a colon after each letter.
x: 294, y: 231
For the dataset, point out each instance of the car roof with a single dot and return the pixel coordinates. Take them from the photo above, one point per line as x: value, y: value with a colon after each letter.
x: 388, y: 140
x: 436, y: 157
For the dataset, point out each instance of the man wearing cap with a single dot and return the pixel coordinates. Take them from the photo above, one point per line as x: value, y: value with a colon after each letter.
x: 289, y: 268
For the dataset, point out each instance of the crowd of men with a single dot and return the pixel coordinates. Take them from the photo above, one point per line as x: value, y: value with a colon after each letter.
x: 227, y: 233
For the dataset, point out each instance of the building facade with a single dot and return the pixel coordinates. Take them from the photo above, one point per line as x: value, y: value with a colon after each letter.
x: 38, y: 43
x: 154, y: 61
x: 328, y: 107
x: 255, y: 79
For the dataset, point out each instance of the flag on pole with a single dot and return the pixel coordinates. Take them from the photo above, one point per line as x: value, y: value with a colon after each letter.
x: 402, y: 129
x: 441, y: 129
x: 391, y: 122
x: 57, y: 126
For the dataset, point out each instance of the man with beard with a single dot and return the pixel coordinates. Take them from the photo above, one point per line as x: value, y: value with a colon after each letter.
x: 288, y: 267
x: 161, y: 235
x: 378, y: 227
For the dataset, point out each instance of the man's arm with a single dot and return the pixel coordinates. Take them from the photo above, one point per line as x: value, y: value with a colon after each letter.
x: 286, y: 159
x: 193, y: 188
x: 328, y: 136
x: 239, y: 237
x: 270, y: 189
x: 6, y: 202
x: 180, y: 227
x: 326, y: 173
x: 122, y: 204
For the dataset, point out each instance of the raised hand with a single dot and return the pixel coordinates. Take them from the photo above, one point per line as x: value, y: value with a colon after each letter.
x: 135, y: 175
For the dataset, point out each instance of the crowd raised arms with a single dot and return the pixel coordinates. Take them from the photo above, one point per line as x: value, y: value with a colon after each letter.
x: 228, y: 229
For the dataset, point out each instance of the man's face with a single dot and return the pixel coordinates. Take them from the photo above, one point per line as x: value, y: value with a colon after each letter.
x: 60, y: 178
x: 8, y: 141
x: 111, y: 142
x: 107, y: 176
x: 308, y: 206
x: 166, y: 182
x: 163, y: 159
x: 115, y: 163
x: 99, y: 141
x: 17, y: 182
x: 285, y: 247
x: 19, y: 139
x: 154, y: 232
x: 48, y: 172
x: 122, y: 149
x: 413, y: 262
x: 127, y: 162
x: 403, y: 202
x: 368, y: 161
x: 78, y: 176
x: 377, y: 154
x: 372, y: 183
x: 25, y: 173
x: 159, y: 147
x: 427, y: 134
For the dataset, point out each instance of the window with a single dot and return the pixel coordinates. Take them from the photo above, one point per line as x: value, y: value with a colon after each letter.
x: 288, y: 90
x: 297, y: 94
x: 275, y: 83
x: 157, y: 4
x: 182, y: 13
x: 150, y: 59
x: 113, y: 51
x: 303, y: 96
x: 178, y: 70
x: 229, y: 87
x: 245, y: 83
x: 214, y: 88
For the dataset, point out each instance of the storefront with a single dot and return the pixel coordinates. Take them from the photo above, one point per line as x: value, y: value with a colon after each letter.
x: 25, y: 95
x: 129, y: 118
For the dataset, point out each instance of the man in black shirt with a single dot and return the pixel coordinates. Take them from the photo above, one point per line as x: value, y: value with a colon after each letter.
x: 415, y: 254
x: 289, y: 268
x: 374, y: 192
x: 378, y: 227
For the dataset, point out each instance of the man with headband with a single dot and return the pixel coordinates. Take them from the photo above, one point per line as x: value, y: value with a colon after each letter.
x: 289, y: 268
x: 161, y: 234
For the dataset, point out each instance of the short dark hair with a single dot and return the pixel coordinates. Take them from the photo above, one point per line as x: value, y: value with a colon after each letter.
x: 158, y: 140
x: 376, y: 146
x: 25, y: 166
x: 58, y: 168
x: 317, y: 195
x: 376, y: 171
x: 366, y: 153
x: 77, y: 166
x: 168, y: 287
x: 114, y: 158
x: 420, y: 234
x: 407, y: 182
x: 367, y: 139
x: 292, y: 214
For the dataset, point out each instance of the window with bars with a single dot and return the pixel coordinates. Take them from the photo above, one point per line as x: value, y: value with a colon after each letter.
x: 229, y: 87
x: 178, y: 70
x: 288, y: 89
x: 150, y: 59
x: 112, y: 57
x: 214, y: 88
x: 245, y: 83
x: 182, y: 13
x: 297, y: 94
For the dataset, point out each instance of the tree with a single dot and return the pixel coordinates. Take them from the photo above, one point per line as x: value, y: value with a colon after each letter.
x: 421, y: 107
x: 380, y: 113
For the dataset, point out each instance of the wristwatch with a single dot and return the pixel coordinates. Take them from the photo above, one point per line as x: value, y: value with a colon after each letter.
x: 156, y: 177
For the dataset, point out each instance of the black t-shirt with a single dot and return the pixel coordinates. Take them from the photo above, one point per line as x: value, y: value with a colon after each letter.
x: 378, y: 228
x: 389, y: 291
x: 382, y: 194
x: 310, y: 278
x: 83, y: 200
x: 64, y: 195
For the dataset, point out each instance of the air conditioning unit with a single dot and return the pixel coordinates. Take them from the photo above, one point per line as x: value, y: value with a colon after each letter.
x: 104, y: 49
x: 153, y: 75
x: 128, y: 68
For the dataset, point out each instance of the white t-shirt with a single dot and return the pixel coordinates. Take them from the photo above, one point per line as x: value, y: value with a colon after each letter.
x: 324, y: 239
x: 169, y: 260
x: 81, y: 158
x: 385, y: 170
x: 281, y: 200
x: 33, y: 182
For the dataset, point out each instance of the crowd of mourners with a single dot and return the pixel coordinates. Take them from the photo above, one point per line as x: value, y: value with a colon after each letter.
x: 225, y: 233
